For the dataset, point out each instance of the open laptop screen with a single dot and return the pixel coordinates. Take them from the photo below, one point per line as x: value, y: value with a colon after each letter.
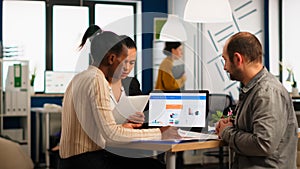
x: 187, y: 109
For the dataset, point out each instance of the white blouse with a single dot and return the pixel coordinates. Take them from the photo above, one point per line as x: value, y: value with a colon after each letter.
x: 119, y: 118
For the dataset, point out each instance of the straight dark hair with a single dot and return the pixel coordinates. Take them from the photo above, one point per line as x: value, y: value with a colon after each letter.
x: 88, y: 33
x: 169, y: 46
x: 128, y: 41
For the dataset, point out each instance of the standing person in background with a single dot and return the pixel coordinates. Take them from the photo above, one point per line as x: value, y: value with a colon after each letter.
x: 264, y: 132
x: 165, y: 78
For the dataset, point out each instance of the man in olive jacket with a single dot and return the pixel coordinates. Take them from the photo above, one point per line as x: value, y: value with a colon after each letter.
x: 264, y: 131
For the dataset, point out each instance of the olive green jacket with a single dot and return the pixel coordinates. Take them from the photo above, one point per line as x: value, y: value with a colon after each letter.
x: 265, y: 131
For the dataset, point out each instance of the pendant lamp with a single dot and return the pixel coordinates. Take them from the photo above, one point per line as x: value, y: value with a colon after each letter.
x: 204, y: 11
x: 173, y: 30
x: 207, y: 11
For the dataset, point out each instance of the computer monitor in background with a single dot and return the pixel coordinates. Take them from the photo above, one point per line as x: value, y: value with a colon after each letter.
x: 57, y: 82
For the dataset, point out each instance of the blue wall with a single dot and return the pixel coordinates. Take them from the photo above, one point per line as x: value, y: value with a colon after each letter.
x: 150, y: 9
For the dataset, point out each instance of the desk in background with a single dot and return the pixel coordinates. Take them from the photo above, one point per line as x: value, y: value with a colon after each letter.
x: 46, y: 112
x: 38, y: 100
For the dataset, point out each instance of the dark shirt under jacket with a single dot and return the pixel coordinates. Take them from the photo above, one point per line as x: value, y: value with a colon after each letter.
x: 131, y: 86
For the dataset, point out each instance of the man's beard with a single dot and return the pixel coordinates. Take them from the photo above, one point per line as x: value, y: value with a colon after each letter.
x: 235, y: 74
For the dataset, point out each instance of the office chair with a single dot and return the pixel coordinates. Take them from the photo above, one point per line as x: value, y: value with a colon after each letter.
x: 218, y: 102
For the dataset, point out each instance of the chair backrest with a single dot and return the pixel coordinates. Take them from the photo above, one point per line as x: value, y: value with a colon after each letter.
x: 217, y: 102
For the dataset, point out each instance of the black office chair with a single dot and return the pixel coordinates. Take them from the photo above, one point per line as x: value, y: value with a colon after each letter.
x: 218, y: 102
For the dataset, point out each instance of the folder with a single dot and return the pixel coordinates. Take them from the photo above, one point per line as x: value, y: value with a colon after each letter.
x: 9, y: 86
x: 14, y: 102
x: 17, y: 75
x: 25, y: 77
x: 9, y: 82
x: 22, y: 100
x: 8, y: 106
x: 16, y: 89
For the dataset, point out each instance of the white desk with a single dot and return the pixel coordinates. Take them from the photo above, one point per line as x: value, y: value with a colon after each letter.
x: 171, y: 149
x: 42, y: 111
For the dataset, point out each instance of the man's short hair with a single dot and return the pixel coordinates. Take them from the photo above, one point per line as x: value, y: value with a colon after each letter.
x: 246, y: 44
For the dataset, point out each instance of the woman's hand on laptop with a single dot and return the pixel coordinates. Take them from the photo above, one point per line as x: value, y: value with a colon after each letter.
x: 169, y: 132
x: 137, y: 117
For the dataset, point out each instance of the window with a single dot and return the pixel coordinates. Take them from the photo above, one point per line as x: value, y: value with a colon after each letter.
x: 116, y: 18
x: 69, y: 25
x: 290, y: 37
x: 24, y: 35
x: 48, y: 33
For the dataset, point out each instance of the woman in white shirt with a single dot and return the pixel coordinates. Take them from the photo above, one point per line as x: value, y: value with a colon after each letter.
x: 118, y: 90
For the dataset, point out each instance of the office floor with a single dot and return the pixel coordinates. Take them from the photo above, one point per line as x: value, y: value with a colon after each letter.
x: 195, y: 166
x: 186, y: 167
x: 53, y: 157
x: 208, y: 166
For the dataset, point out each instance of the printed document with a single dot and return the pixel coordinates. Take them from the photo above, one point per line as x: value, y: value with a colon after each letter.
x: 197, y: 135
x: 129, y: 105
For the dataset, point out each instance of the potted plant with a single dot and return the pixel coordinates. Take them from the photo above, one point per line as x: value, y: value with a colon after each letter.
x: 215, y: 117
x: 32, y: 82
x: 295, y: 91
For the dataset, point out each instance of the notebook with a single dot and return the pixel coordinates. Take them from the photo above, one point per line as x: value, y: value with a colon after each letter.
x: 178, y: 71
x: 185, y: 109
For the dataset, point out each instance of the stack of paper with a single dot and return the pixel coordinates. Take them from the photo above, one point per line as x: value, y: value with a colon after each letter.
x: 200, y: 136
x: 128, y: 106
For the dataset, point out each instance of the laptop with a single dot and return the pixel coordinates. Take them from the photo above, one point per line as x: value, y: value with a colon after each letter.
x: 186, y: 109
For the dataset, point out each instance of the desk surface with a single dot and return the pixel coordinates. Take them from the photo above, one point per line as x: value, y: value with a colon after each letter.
x: 47, y: 110
x: 48, y: 95
x: 173, y: 147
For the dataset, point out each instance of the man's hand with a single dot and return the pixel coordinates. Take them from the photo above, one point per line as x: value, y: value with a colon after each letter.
x: 137, y: 117
x: 132, y: 125
x: 169, y: 132
x: 222, y: 124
